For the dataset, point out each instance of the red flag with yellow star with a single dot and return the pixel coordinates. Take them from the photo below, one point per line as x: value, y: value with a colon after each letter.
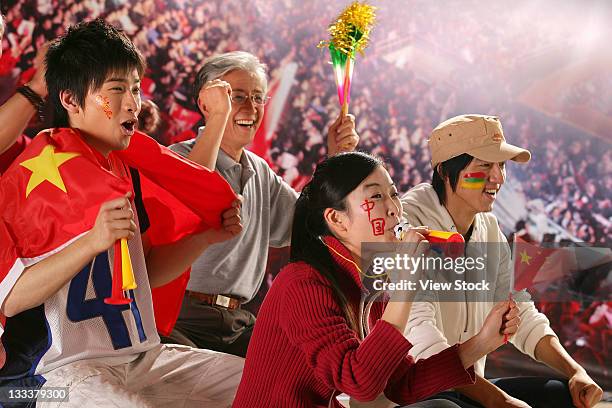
x: 52, y: 193
x: 528, y: 261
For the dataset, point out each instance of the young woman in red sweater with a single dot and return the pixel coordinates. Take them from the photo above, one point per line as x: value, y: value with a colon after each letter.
x: 306, y: 346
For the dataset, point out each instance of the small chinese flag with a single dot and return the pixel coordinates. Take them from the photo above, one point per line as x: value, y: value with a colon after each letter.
x: 528, y: 262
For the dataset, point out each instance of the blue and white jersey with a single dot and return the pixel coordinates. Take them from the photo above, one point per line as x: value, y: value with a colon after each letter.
x: 76, y: 323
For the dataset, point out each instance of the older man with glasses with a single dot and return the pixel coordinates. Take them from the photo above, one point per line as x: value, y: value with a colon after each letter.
x: 230, y: 91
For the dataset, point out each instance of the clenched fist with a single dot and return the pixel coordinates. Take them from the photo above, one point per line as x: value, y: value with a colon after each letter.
x: 230, y: 225
x: 214, y: 98
x: 342, y: 136
x: 115, y: 221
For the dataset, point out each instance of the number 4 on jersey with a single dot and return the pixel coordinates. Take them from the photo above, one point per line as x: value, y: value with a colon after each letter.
x: 80, y: 308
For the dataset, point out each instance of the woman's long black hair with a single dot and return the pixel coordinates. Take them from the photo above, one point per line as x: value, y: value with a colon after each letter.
x: 332, y: 182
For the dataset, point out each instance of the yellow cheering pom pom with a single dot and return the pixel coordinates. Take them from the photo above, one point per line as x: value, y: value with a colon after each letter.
x: 349, y: 33
x: 127, y: 274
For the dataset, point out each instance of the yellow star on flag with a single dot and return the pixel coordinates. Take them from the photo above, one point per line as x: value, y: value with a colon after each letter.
x: 525, y: 258
x: 45, y: 167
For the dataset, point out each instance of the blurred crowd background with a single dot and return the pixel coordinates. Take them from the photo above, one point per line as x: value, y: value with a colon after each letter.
x: 543, y: 67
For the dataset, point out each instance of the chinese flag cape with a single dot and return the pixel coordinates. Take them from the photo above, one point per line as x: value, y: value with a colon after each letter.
x: 52, y: 193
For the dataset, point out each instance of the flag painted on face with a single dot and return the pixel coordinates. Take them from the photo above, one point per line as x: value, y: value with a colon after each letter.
x: 474, y: 181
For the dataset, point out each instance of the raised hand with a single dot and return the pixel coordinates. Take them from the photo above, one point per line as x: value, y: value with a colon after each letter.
x: 214, y: 98
x: 38, y: 83
x: 342, y: 136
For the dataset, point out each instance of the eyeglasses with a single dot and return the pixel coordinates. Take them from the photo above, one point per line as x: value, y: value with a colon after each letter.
x: 240, y: 98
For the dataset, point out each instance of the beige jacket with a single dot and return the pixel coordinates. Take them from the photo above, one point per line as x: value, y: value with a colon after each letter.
x: 434, y: 326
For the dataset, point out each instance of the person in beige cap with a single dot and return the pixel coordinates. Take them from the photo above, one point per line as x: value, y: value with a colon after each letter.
x: 468, y: 155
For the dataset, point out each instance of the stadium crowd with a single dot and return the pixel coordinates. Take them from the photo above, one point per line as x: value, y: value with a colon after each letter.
x: 396, y: 107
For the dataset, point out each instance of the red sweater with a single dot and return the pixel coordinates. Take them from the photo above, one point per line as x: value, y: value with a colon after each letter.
x: 302, y: 349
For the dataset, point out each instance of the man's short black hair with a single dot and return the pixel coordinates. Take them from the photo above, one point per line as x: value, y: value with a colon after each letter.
x: 451, y: 169
x: 82, y: 59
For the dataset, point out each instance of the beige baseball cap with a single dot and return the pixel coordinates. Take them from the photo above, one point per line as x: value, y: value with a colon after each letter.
x: 480, y: 136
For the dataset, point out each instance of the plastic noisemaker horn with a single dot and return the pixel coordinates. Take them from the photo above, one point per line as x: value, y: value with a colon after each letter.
x: 453, y: 241
x: 117, y: 296
x: 127, y: 274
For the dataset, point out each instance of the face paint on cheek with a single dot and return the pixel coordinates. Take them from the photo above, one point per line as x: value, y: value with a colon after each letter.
x: 367, y: 206
x: 474, y: 181
x: 378, y: 226
x: 104, y: 103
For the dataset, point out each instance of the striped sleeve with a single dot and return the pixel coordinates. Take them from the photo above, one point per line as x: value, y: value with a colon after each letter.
x: 313, y: 322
